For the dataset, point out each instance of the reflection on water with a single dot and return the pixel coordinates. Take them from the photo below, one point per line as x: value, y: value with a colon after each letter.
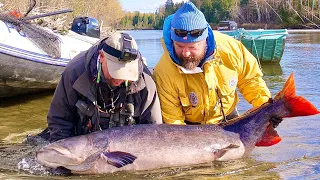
x: 296, y: 157
x: 304, y: 37
x: 273, y: 75
x: 271, y: 69
x: 302, y: 57
x: 237, y: 169
x: 22, y: 115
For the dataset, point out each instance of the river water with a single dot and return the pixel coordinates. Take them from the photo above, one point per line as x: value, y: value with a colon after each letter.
x: 296, y: 157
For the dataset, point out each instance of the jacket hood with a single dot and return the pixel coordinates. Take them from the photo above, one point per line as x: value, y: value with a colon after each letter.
x: 169, y: 43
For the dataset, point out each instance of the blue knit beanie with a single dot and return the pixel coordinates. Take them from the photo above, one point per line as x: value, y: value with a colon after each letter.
x: 188, y: 17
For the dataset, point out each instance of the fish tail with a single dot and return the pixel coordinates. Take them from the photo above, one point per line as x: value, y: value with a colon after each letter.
x: 298, y: 105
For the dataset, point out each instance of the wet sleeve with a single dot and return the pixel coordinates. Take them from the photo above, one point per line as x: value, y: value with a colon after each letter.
x: 151, y: 112
x: 251, y: 84
x: 62, y: 110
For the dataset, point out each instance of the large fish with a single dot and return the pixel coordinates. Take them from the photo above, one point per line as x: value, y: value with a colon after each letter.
x: 146, y: 147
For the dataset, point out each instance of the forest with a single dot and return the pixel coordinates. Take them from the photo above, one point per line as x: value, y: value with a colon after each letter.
x: 247, y: 13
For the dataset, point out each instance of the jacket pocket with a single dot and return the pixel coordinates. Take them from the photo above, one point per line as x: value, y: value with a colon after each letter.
x: 228, y: 81
x: 227, y: 90
x: 85, y: 108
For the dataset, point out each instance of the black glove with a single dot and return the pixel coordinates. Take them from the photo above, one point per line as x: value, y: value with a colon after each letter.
x: 38, y: 139
x: 60, y: 171
x: 276, y: 121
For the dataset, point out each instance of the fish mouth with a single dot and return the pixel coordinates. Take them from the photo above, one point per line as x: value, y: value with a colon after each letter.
x: 55, y: 156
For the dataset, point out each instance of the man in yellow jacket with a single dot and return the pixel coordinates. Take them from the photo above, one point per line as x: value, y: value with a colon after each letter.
x: 199, y: 72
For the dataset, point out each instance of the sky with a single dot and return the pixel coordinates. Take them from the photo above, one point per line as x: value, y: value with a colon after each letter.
x: 144, y: 6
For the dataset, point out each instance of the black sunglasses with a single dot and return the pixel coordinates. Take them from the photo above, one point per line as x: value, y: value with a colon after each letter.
x: 193, y: 33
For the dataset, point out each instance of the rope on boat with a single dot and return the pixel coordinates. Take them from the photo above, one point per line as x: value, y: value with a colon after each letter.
x: 242, y: 34
x: 255, y: 49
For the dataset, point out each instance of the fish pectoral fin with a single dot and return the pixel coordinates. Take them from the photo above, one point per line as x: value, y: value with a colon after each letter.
x: 218, y: 153
x: 119, y: 158
x: 231, y: 146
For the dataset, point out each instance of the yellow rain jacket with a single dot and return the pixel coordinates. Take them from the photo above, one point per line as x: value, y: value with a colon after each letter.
x: 195, y: 97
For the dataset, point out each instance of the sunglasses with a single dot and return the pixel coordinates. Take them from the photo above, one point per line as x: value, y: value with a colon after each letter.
x: 193, y: 33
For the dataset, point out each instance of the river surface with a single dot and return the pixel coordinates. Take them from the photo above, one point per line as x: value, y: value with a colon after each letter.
x: 296, y: 157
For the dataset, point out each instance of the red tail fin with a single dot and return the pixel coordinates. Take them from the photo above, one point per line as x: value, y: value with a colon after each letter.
x: 299, y: 106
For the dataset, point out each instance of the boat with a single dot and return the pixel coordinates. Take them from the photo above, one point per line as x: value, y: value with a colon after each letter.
x: 267, y: 45
x: 27, y: 68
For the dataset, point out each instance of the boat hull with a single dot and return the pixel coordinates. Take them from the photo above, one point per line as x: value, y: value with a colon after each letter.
x: 21, y: 76
x: 26, y: 68
x: 266, y: 45
x: 265, y: 50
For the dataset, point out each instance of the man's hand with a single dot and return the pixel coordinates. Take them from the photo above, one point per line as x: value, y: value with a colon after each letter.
x: 276, y: 121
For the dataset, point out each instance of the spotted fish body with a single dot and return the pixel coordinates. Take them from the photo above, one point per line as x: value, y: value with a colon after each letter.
x: 147, y: 147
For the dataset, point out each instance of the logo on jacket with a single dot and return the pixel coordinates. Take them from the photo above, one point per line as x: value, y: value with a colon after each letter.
x: 193, y: 99
x: 233, y: 82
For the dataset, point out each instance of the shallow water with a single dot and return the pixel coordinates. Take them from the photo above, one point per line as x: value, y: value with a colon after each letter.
x: 296, y: 157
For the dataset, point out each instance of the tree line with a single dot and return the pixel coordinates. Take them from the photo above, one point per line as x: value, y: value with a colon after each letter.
x: 279, y: 13
x: 285, y: 13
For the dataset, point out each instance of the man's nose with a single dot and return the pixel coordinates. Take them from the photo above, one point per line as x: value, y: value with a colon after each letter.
x: 186, y: 52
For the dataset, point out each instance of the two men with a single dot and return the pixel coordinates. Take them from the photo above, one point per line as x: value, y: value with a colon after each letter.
x: 196, y: 79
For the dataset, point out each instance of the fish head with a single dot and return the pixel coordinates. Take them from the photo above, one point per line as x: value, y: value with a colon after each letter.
x: 66, y: 152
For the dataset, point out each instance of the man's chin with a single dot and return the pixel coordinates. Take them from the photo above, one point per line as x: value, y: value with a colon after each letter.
x: 190, y: 66
x: 116, y: 82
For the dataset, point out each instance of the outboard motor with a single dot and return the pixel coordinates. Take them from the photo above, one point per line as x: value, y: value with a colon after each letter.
x: 86, y: 26
x: 227, y: 26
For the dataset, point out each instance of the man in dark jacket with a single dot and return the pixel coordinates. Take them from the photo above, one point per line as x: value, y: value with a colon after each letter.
x: 106, y: 86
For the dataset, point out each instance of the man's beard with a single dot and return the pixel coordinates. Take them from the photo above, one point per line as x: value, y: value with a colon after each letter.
x: 191, y: 62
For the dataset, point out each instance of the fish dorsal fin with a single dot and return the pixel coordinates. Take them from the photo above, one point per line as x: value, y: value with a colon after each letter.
x: 119, y: 158
x: 241, y: 117
x: 253, y: 109
x: 288, y: 90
